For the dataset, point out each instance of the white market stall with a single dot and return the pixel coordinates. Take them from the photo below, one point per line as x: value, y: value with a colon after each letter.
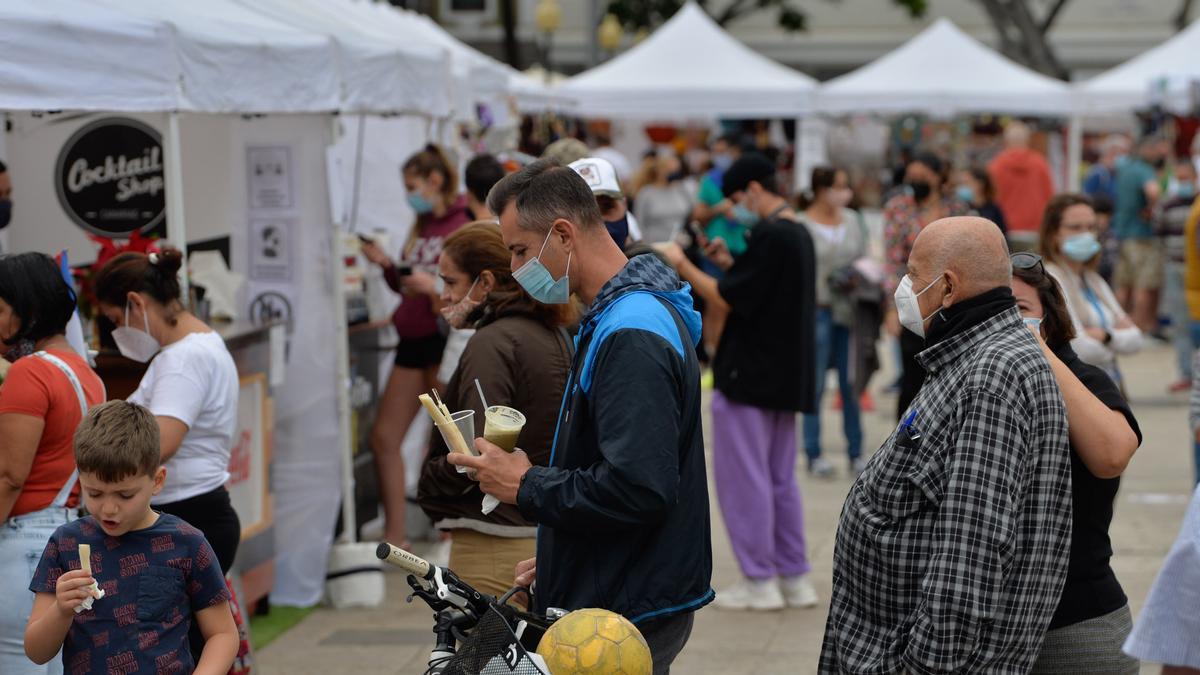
x: 1166, y: 74
x: 944, y: 72
x: 690, y: 68
x: 187, y: 76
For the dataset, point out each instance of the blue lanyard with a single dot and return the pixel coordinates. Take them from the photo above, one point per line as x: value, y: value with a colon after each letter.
x: 1091, y: 297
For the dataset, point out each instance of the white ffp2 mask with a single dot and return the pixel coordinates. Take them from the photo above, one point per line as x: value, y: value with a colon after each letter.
x: 908, y: 309
x: 135, y: 344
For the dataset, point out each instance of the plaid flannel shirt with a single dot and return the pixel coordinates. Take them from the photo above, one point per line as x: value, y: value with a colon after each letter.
x: 953, y: 545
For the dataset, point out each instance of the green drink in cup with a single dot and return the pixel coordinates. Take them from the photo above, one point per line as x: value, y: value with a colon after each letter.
x: 502, y: 425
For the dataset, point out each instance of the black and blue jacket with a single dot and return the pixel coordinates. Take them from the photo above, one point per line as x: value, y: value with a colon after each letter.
x: 622, y: 508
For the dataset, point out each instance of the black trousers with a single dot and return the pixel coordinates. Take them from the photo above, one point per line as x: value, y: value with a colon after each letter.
x: 911, y: 344
x: 666, y: 638
x: 212, y: 513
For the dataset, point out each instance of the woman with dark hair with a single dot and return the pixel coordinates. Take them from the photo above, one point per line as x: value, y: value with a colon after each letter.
x: 839, y: 238
x: 191, y: 387
x: 1092, y: 620
x: 976, y: 189
x: 922, y: 201
x: 1070, y: 245
x: 44, y: 397
x: 520, y: 356
x: 432, y: 184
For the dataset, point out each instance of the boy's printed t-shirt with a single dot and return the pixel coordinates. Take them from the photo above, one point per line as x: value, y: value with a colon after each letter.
x: 154, y: 581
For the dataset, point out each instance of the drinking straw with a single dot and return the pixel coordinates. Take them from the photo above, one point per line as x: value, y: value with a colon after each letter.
x: 479, y: 388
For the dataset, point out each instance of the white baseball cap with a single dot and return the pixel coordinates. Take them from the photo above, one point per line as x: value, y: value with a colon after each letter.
x: 600, y: 175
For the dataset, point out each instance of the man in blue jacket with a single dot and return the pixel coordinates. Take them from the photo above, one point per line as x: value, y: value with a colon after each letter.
x: 623, y: 506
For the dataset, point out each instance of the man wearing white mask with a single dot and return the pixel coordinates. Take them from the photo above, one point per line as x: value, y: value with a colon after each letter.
x: 953, y: 544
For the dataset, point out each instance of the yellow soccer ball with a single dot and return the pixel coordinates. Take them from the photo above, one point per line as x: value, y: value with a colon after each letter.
x: 595, y: 641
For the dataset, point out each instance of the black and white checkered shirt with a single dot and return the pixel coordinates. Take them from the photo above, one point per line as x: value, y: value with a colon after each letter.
x: 953, y: 544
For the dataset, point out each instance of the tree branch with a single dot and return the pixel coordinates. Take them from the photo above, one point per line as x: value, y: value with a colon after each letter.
x: 1181, y: 17
x: 1051, y: 15
x: 733, y: 11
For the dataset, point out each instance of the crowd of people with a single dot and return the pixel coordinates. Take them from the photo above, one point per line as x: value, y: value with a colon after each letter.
x: 593, y: 296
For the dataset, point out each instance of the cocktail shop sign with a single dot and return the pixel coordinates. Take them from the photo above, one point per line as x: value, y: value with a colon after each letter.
x: 109, y: 177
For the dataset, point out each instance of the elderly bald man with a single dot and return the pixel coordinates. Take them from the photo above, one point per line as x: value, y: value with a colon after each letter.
x: 952, y: 548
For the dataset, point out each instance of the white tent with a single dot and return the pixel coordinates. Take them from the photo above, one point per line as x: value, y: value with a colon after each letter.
x: 83, y: 56
x: 943, y: 71
x: 1166, y: 73
x: 161, y: 63
x: 378, y: 73
x: 474, y: 77
x: 690, y: 68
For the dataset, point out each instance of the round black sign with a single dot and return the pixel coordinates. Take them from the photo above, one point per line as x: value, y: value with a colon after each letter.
x: 110, y: 179
x: 271, y: 306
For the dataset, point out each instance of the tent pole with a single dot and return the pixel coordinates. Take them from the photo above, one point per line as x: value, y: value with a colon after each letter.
x: 342, y: 362
x: 798, y: 179
x: 174, y: 197
x: 1074, y: 152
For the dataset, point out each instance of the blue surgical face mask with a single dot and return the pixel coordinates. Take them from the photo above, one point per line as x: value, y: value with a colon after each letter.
x: 745, y: 216
x: 1033, y: 322
x: 722, y: 162
x: 540, y: 284
x: 419, y: 203
x: 1186, y: 190
x: 965, y: 194
x: 1081, y: 247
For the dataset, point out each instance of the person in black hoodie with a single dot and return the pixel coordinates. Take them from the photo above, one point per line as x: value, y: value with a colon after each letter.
x: 765, y: 373
x: 622, y: 507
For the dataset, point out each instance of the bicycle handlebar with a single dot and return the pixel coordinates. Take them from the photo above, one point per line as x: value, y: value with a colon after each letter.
x: 414, y: 565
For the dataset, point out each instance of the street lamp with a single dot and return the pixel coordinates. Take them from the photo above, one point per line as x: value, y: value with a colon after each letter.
x: 608, y: 35
x: 548, y: 17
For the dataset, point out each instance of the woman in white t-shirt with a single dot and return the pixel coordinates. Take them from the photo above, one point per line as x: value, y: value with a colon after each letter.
x: 191, y: 387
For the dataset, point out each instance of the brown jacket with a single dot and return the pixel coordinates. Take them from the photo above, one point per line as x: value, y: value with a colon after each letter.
x: 523, y: 365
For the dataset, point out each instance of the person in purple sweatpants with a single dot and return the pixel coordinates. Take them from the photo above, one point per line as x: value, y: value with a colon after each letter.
x: 764, y: 374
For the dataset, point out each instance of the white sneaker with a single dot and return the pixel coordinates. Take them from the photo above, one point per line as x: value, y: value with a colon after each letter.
x: 821, y: 468
x: 857, y: 466
x: 760, y: 595
x: 798, y: 592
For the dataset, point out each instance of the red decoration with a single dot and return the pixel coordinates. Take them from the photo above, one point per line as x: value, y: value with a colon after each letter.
x: 109, y: 249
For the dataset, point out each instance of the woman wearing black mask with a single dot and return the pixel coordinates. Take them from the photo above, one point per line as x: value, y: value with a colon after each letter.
x: 904, y: 216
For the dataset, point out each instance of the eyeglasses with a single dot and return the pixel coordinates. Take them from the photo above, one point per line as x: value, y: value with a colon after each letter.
x: 1027, y: 261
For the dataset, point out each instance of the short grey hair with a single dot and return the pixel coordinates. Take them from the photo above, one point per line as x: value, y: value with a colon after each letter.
x: 545, y: 191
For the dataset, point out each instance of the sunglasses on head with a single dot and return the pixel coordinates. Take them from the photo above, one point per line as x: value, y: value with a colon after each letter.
x: 1027, y: 261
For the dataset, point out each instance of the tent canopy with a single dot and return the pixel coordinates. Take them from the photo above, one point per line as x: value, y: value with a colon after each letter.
x: 690, y: 67
x: 80, y: 55
x: 378, y: 72
x: 943, y: 71
x: 229, y: 57
x: 1165, y: 72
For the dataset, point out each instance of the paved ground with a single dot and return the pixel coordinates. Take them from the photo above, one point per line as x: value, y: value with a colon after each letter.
x: 395, y: 638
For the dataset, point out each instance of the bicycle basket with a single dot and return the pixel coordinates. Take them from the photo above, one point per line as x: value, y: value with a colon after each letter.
x: 491, y: 649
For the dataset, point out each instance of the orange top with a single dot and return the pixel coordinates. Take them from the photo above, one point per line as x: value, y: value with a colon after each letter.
x: 38, y: 388
x: 1023, y: 187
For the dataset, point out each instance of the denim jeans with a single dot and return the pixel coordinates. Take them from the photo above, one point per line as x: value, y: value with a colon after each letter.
x: 833, y: 352
x: 1196, y: 460
x: 22, y: 541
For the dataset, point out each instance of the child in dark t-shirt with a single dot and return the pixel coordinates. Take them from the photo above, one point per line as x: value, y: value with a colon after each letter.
x: 150, y: 573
